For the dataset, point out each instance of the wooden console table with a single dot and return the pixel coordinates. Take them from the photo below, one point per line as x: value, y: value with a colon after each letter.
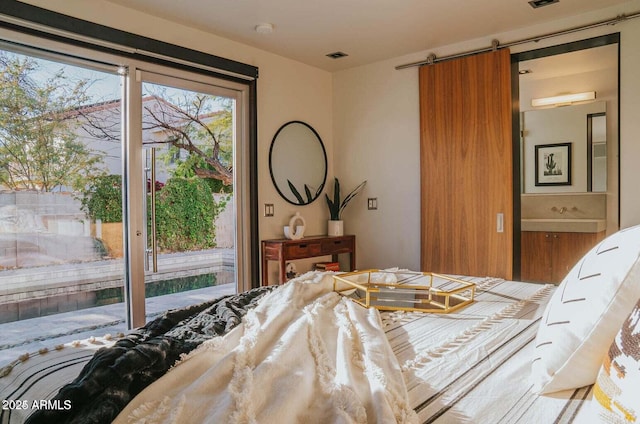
x: 283, y: 250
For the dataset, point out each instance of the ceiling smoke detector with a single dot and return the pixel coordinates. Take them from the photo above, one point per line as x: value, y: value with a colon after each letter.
x: 264, y: 28
x: 540, y: 3
x: 337, y: 55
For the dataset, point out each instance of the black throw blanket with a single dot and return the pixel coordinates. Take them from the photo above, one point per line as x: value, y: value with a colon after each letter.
x: 116, y: 374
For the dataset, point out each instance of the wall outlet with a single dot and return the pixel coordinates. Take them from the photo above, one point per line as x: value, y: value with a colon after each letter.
x: 268, y: 209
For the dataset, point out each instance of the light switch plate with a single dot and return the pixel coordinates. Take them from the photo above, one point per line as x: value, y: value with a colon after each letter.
x: 268, y: 209
x: 372, y: 203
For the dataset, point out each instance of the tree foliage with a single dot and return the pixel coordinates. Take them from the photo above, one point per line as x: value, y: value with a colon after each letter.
x: 201, y: 125
x: 188, y: 168
x: 102, y: 198
x: 196, y: 123
x: 39, y: 148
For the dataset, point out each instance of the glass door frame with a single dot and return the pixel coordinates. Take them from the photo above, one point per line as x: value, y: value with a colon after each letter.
x: 245, y: 156
x: 137, y: 231
x: 136, y: 186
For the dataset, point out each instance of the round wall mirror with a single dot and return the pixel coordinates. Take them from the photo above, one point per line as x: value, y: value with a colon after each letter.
x: 298, y: 163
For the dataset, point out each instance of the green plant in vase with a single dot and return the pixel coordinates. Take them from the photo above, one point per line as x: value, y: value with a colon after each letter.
x: 336, y: 207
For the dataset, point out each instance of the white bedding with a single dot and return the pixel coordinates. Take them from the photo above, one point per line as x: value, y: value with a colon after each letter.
x: 473, y: 366
x: 304, y: 354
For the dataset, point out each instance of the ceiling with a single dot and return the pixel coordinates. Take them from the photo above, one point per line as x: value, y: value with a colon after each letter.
x: 581, y: 61
x: 367, y: 30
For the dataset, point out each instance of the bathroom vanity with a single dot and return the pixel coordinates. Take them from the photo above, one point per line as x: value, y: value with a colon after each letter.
x: 556, y: 231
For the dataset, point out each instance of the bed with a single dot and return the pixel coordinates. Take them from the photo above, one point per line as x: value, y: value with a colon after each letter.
x: 301, y: 352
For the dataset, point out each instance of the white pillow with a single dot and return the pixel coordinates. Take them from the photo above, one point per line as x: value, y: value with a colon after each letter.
x: 585, y: 313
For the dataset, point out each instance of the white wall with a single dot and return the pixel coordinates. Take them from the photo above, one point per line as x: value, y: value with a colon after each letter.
x: 629, y: 123
x: 376, y: 114
x: 376, y: 133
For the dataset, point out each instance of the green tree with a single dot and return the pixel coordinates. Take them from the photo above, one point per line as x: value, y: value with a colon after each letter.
x: 39, y: 148
x: 102, y: 198
x: 199, y: 124
x: 192, y: 166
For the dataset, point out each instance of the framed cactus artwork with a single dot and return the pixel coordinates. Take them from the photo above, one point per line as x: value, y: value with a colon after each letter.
x: 553, y: 164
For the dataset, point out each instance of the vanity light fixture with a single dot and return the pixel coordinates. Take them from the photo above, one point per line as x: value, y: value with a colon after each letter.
x: 565, y: 99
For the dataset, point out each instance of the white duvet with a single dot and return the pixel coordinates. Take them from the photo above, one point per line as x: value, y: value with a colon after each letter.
x: 304, y: 354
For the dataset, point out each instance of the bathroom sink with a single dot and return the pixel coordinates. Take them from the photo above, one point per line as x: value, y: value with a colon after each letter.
x: 569, y: 225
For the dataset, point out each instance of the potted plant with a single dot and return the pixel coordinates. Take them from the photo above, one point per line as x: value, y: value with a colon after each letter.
x: 335, y: 225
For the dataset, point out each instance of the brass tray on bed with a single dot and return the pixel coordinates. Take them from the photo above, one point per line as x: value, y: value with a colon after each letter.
x: 405, y: 290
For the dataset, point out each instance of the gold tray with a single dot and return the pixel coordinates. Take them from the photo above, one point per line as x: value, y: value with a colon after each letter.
x: 411, y: 291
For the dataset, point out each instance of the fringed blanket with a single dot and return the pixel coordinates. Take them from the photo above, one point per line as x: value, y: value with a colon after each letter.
x: 304, y: 354
x: 116, y: 374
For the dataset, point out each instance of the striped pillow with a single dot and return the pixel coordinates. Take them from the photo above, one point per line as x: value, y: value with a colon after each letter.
x: 616, y: 394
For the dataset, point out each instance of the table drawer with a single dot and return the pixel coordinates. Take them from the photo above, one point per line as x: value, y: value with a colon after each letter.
x: 303, y: 250
x: 336, y: 246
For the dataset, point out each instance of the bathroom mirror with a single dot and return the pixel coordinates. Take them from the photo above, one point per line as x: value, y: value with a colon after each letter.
x: 583, y: 126
x: 590, y: 126
x: 298, y: 163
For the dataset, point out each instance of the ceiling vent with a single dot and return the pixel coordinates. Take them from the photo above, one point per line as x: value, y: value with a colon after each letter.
x: 337, y: 55
x: 540, y: 3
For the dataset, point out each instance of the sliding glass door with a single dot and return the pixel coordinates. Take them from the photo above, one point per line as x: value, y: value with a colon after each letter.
x: 123, y: 191
x: 188, y: 138
x: 60, y: 195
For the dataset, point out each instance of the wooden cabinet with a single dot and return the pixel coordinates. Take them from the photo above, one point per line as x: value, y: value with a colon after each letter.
x: 283, y: 250
x: 547, y: 257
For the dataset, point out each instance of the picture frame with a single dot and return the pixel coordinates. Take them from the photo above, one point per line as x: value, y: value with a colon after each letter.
x: 553, y: 164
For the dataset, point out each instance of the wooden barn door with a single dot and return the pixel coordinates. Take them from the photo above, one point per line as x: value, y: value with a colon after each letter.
x: 467, y: 166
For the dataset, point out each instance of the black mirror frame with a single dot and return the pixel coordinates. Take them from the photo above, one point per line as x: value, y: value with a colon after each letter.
x: 324, y: 153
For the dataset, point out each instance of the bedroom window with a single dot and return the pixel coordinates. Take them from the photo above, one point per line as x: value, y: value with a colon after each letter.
x: 124, y: 190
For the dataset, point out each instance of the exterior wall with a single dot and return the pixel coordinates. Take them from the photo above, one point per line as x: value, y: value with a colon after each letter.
x: 225, y: 229
x: 43, y: 229
x: 39, y: 229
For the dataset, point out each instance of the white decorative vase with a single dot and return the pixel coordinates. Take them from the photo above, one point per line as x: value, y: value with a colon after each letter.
x: 335, y: 228
x: 299, y: 229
